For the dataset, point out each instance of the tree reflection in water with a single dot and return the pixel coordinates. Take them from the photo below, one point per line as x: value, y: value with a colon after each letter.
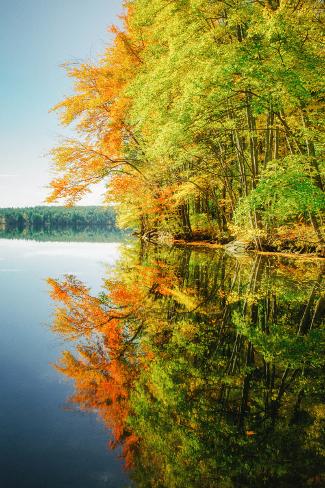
x: 207, y: 369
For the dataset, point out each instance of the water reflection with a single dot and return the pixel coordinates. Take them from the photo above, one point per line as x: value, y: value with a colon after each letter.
x: 207, y: 369
x: 40, y: 444
x: 86, y: 234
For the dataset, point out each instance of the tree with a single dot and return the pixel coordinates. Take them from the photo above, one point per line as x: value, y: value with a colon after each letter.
x: 190, y: 106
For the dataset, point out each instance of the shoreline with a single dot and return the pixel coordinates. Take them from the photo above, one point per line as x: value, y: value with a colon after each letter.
x: 212, y: 246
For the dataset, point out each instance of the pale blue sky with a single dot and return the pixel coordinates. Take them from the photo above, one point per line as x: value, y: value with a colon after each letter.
x: 36, y: 37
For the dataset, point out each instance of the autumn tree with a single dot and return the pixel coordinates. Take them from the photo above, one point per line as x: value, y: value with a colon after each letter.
x: 193, y: 109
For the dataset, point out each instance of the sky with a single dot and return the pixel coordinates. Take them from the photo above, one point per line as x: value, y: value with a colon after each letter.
x: 36, y: 38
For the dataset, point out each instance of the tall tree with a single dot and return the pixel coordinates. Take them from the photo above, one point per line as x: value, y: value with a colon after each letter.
x: 193, y: 109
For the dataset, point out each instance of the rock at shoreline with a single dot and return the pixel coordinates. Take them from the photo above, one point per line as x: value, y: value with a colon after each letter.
x: 236, y: 247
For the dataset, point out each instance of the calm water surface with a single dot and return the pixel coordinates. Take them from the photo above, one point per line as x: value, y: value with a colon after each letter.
x: 205, y: 370
x: 41, y: 444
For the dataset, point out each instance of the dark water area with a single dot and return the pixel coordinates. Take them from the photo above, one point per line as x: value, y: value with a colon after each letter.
x: 199, y: 368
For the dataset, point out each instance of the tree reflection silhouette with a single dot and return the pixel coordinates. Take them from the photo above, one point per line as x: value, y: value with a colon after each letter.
x: 207, y: 369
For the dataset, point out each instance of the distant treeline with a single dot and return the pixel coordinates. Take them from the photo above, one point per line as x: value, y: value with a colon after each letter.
x: 56, y: 218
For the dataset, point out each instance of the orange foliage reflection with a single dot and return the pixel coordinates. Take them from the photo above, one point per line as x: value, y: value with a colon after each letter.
x: 108, y: 356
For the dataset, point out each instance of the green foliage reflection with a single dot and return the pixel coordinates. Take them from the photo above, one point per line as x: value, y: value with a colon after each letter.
x: 207, y: 369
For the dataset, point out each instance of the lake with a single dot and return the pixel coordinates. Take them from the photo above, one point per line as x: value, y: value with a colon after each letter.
x: 128, y: 364
x: 41, y: 443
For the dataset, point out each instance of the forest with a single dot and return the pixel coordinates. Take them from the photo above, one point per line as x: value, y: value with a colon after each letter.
x: 205, y: 119
x: 57, y: 218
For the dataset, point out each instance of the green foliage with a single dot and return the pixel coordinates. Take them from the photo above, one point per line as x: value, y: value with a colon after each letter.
x: 286, y: 191
x: 221, y: 110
